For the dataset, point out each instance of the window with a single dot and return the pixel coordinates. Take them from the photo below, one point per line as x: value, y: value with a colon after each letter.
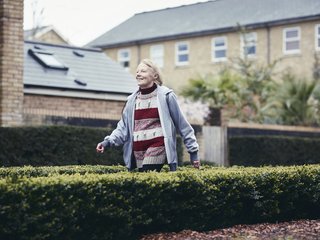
x: 317, y: 34
x: 124, y: 58
x: 182, y: 53
x: 291, y: 40
x: 249, y: 44
x: 156, y: 55
x: 47, y: 59
x: 219, y: 49
x: 78, y: 53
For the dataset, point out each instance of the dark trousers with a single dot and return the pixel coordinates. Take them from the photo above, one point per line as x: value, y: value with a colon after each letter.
x: 157, y: 167
x: 151, y: 167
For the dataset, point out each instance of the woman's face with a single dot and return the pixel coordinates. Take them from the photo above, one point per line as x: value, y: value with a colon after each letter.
x: 145, y: 76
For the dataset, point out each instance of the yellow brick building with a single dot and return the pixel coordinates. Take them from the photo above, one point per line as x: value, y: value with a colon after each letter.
x: 202, y: 38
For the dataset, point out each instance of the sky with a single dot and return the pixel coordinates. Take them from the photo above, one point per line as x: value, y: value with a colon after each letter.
x: 81, y: 21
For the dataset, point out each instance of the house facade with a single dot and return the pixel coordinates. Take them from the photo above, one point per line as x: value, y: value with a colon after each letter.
x: 197, y: 39
x: 43, y: 83
x: 71, y: 85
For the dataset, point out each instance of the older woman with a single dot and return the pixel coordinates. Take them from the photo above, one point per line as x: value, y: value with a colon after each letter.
x: 149, y: 123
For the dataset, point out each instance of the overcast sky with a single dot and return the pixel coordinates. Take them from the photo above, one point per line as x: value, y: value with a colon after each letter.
x: 81, y: 21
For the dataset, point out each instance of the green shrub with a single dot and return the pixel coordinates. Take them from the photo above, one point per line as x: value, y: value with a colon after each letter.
x: 54, y: 145
x: 30, y: 171
x: 126, y: 205
x: 273, y: 150
x: 58, y: 146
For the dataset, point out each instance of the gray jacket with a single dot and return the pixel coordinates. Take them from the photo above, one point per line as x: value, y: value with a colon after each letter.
x: 171, y: 118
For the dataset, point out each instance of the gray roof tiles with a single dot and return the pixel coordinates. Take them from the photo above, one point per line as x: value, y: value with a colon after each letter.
x: 96, y: 69
x: 199, y: 18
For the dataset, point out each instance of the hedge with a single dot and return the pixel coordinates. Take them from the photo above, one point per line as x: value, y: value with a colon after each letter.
x: 54, y: 145
x: 58, y: 146
x: 126, y: 205
x: 273, y: 150
x: 30, y: 171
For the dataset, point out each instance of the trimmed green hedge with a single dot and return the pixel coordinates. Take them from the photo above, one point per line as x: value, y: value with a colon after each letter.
x: 58, y: 146
x: 273, y: 150
x: 126, y: 205
x: 55, y: 145
x: 29, y: 171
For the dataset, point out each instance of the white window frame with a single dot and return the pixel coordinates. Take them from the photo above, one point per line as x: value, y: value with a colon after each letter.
x: 219, y: 48
x: 246, y: 43
x: 184, y: 52
x: 317, y: 37
x: 285, y: 40
x: 122, y: 59
x: 47, y: 59
x: 157, y: 54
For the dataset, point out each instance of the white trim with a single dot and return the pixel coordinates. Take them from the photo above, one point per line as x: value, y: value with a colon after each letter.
x: 178, y: 53
x: 76, y: 94
x: 124, y: 59
x: 317, y: 37
x: 219, y: 48
x: 284, y: 40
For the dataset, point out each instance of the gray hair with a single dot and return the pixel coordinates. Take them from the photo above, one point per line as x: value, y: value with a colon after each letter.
x: 155, y: 68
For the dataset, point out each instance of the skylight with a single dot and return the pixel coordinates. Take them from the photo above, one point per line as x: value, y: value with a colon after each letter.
x: 47, y: 59
x: 80, y: 82
x: 77, y: 53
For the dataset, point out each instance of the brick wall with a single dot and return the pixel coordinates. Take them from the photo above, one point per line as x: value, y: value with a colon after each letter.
x: 11, y: 62
x: 39, y: 110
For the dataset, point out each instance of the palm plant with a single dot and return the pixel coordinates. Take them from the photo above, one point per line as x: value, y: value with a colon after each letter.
x: 256, y: 88
x: 242, y: 91
x: 217, y: 91
x: 296, y: 102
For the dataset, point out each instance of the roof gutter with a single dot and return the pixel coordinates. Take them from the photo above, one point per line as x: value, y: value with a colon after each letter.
x: 58, y: 92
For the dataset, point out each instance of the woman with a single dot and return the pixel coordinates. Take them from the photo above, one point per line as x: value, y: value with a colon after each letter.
x: 148, y: 125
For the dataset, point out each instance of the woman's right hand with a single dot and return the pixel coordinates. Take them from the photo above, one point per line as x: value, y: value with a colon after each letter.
x: 100, y: 148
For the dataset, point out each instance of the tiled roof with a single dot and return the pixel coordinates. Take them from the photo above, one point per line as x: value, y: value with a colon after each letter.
x: 206, y: 18
x: 92, y: 68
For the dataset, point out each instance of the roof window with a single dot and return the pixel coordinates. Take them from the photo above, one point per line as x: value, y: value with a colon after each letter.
x: 37, y: 47
x: 77, y: 53
x: 80, y: 82
x: 47, y: 59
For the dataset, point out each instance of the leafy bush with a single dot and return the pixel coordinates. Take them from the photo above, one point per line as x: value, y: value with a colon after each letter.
x: 54, y: 145
x: 273, y: 150
x: 29, y: 171
x: 58, y: 146
x: 126, y: 205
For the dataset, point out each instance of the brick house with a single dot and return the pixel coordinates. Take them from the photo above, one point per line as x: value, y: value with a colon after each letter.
x: 202, y: 38
x: 42, y: 83
x: 72, y: 85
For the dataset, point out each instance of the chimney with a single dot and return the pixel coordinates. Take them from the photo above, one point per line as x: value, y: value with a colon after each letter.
x: 11, y: 62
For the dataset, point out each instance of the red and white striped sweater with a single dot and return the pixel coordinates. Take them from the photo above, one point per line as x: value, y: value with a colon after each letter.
x: 148, y: 143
